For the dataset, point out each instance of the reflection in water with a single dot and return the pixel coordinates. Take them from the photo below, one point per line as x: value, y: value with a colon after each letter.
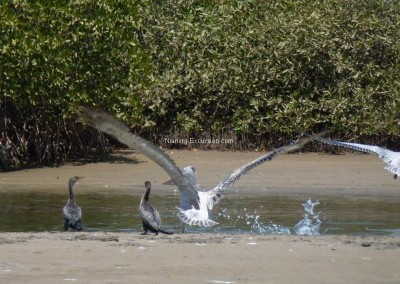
x: 257, y: 214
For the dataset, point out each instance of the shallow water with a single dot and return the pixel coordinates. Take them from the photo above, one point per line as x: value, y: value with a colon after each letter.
x: 237, y: 213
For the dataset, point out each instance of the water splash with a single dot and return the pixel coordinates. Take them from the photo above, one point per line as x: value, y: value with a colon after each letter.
x: 252, y: 221
x: 310, y: 224
x: 270, y: 229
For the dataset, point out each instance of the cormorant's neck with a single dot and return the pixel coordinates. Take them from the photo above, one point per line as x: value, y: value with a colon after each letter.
x: 71, y: 193
x: 146, y: 195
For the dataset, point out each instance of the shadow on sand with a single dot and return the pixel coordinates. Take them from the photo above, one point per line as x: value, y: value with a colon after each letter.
x: 117, y: 157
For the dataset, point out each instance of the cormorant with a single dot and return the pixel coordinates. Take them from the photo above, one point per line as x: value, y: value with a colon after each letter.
x: 72, y: 212
x: 150, y: 217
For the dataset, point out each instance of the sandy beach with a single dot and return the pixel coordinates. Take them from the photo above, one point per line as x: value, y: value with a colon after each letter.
x: 99, y: 257
x: 290, y: 174
x: 196, y: 258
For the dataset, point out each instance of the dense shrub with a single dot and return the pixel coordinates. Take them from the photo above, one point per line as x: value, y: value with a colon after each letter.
x: 275, y: 66
x: 255, y: 71
x: 55, y: 55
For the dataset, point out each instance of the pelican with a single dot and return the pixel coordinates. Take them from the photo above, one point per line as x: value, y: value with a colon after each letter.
x: 195, y: 205
x: 72, y: 212
x: 391, y: 158
x: 150, y: 217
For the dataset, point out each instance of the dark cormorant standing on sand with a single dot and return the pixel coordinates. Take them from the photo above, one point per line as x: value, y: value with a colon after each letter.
x: 150, y: 216
x: 195, y: 205
x: 72, y: 212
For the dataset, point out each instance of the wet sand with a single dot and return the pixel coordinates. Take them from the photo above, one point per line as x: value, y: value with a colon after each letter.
x: 58, y: 257
x: 290, y: 174
x: 196, y: 258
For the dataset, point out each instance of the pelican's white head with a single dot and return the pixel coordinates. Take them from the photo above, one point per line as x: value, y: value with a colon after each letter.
x: 190, y: 174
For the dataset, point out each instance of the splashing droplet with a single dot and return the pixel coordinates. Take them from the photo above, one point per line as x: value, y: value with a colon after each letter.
x: 311, y: 223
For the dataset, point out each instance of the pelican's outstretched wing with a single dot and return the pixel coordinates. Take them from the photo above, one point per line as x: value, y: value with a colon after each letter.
x: 112, y: 126
x: 267, y: 157
x: 391, y: 158
x: 190, y: 207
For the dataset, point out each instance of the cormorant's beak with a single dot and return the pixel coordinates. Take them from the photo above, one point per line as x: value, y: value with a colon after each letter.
x: 80, y: 178
x: 169, y: 182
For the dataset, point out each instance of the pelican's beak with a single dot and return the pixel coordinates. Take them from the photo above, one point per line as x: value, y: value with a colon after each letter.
x: 169, y: 182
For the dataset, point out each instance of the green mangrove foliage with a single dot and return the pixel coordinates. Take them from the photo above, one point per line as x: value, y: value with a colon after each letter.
x: 255, y: 71
x: 54, y: 55
x: 281, y: 67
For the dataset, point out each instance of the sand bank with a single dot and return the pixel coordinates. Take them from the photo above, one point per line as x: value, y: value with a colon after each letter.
x: 291, y: 174
x: 199, y: 258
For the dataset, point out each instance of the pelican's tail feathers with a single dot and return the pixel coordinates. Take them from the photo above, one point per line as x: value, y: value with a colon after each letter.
x: 195, y: 217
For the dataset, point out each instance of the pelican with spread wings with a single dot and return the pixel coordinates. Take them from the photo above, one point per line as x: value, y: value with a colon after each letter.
x: 195, y: 206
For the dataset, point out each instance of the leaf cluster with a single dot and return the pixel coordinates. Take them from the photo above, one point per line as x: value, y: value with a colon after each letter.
x: 274, y: 66
x: 55, y: 55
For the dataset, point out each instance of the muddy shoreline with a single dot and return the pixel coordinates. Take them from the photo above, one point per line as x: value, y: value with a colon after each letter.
x: 291, y: 174
x: 100, y: 257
